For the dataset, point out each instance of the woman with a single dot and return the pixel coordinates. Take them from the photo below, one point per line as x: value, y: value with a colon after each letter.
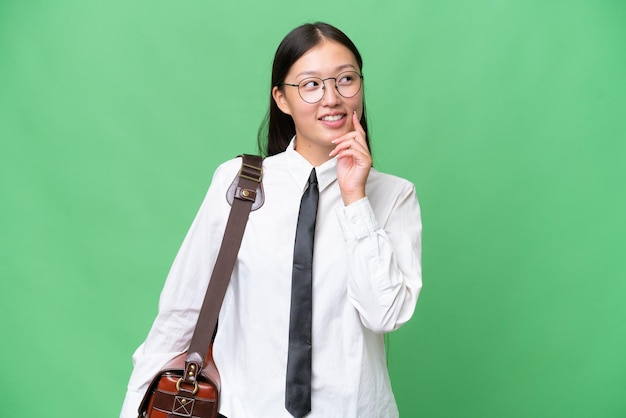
x: 366, y: 268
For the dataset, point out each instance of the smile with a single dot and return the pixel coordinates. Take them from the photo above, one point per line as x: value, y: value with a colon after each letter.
x: 332, y: 118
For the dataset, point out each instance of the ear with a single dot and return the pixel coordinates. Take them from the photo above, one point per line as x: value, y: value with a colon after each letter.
x: 281, y: 100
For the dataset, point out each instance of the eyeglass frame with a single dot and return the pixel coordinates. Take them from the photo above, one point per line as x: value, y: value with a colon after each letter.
x: 324, y: 86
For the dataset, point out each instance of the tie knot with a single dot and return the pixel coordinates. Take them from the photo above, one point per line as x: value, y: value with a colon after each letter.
x: 312, y: 178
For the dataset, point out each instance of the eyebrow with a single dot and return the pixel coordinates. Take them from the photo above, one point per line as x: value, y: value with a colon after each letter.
x: 316, y: 73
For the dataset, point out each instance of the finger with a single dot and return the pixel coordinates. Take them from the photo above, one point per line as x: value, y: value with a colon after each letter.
x: 351, y: 142
x: 346, y: 142
x: 355, y: 128
x: 355, y: 137
x: 350, y: 136
x: 359, y: 156
x: 357, y: 124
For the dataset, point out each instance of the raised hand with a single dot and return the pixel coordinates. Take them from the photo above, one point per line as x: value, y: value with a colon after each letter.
x: 353, y: 162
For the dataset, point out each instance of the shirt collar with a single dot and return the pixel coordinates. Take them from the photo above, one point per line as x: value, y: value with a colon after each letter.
x: 300, y: 169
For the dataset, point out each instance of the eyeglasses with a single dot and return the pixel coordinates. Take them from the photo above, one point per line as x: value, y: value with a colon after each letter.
x: 312, y: 89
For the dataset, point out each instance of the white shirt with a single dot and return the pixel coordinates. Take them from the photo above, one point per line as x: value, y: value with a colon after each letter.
x: 366, y: 280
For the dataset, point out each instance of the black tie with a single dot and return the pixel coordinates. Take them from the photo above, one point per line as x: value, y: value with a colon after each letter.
x: 298, y: 388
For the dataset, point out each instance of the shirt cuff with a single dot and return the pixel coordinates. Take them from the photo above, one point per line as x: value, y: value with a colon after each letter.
x: 357, y: 220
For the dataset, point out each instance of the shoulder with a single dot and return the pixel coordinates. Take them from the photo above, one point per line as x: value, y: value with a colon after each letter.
x: 227, y: 171
x: 391, y: 195
x: 275, y: 161
x: 233, y: 165
x: 223, y: 176
x: 384, y: 183
x: 229, y: 167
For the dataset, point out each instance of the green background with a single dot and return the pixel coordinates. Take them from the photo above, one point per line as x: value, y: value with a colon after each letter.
x: 507, y: 115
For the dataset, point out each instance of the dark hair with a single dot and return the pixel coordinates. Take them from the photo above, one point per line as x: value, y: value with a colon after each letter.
x: 278, y: 128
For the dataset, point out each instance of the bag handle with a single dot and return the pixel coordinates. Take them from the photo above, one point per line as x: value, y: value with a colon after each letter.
x: 247, y: 191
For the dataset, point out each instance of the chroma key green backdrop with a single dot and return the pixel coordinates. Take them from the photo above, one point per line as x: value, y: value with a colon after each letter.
x: 507, y: 115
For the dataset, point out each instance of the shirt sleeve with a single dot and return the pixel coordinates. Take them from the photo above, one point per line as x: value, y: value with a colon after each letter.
x: 182, y: 295
x: 385, y: 274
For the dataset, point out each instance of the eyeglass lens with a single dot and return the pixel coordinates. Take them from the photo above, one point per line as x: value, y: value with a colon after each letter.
x: 348, y: 84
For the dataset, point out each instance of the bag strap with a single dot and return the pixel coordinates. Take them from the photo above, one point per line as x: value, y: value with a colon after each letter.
x: 248, y: 190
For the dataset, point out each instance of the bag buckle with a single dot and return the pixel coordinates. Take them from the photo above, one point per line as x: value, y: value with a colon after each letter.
x: 195, y: 386
x: 251, y: 172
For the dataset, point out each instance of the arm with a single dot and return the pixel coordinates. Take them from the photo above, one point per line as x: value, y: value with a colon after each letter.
x: 384, y: 248
x: 182, y: 295
x: 384, y: 261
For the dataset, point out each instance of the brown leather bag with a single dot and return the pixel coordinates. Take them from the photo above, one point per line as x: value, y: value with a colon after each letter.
x: 168, y: 396
x: 179, y: 390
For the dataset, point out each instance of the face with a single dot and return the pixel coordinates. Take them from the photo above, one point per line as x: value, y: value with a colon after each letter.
x: 317, y: 124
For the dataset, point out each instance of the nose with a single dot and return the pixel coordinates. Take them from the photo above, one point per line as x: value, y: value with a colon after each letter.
x: 331, y: 95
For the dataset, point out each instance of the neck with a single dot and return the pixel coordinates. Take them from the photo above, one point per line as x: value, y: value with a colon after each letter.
x: 315, y: 155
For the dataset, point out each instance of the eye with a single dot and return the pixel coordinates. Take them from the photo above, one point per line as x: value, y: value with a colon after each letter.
x: 346, y: 79
x: 310, y: 84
